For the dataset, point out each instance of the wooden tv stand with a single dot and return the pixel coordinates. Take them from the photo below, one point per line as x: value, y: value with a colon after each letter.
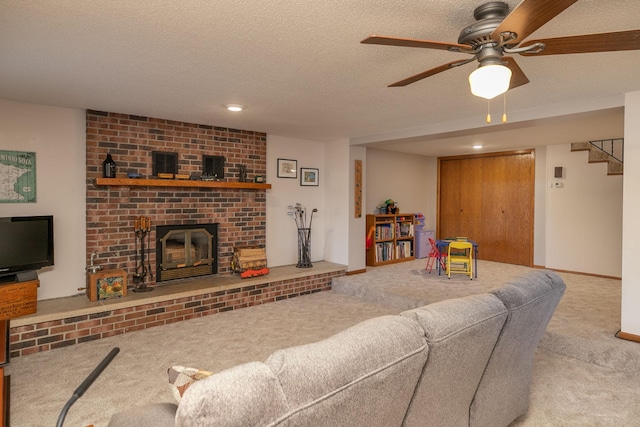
x: 4, y: 381
x: 16, y: 299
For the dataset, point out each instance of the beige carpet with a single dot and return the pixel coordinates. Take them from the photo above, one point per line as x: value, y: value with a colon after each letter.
x: 583, y: 326
x: 568, y: 390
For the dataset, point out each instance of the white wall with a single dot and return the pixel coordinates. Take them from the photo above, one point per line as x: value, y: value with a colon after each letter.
x: 583, y: 217
x: 410, y: 180
x: 57, y: 136
x: 540, y: 207
x: 357, y: 226
x: 281, y: 234
x: 631, y: 225
x: 336, y: 202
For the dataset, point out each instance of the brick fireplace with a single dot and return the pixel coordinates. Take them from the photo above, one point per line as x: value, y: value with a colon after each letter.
x: 240, y: 214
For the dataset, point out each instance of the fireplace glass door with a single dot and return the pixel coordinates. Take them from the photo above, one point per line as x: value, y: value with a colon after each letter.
x: 186, y: 253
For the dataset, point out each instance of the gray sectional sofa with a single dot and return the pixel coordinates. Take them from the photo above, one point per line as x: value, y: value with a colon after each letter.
x: 461, y: 362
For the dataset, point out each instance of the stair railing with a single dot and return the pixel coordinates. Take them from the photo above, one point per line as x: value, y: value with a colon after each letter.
x: 614, y: 148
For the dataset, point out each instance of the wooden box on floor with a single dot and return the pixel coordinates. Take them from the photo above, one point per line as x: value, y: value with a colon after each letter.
x: 107, y: 284
x: 18, y: 299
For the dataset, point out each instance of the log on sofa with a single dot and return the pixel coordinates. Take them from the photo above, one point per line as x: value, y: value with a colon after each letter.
x: 460, y: 362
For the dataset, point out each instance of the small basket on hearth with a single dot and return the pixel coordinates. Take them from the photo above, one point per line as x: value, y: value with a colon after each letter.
x: 249, y: 262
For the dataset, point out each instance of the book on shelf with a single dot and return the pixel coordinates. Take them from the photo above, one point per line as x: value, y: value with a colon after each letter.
x: 384, y: 251
x: 384, y: 232
x: 405, y: 229
x: 403, y: 250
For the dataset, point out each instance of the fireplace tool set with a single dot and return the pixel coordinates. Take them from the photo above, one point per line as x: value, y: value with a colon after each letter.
x: 299, y: 214
x: 142, y: 228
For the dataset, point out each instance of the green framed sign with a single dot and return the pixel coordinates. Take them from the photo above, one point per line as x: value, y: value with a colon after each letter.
x: 17, y: 177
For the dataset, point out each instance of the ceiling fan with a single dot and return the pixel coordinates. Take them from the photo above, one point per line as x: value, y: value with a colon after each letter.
x: 497, y: 32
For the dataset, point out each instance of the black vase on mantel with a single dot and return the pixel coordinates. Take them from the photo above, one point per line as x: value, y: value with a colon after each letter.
x: 109, y: 167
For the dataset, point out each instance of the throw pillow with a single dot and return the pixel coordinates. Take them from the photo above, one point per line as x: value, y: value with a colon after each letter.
x: 180, y: 378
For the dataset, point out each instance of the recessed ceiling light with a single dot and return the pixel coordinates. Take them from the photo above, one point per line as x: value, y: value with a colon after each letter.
x: 477, y: 147
x: 234, y: 107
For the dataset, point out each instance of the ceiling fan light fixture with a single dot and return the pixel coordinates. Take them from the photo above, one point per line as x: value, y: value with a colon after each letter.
x: 489, y: 81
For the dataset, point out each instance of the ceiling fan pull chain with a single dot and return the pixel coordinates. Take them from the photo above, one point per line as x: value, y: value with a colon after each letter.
x: 488, y: 111
x: 504, y: 108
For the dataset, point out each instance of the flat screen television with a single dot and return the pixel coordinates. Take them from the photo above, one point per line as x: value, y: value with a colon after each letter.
x: 26, y: 243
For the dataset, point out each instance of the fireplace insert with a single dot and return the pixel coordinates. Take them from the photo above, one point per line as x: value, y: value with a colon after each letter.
x: 186, y: 251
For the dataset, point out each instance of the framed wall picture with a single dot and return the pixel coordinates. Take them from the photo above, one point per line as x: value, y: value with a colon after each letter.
x: 309, y: 177
x: 287, y: 168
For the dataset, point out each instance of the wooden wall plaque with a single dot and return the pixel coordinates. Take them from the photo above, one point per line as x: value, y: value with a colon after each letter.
x: 18, y: 299
x: 358, y: 189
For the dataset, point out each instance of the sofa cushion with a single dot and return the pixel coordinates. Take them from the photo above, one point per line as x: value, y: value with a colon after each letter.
x: 245, y: 395
x: 364, y: 375
x: 461, y: 334
x: 503, y: 393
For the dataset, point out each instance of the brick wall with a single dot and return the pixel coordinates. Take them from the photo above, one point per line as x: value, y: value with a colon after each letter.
x: 240, y: 213
x: 66, y: 331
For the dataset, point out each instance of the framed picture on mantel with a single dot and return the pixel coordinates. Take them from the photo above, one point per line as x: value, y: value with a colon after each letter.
x: 287, y: 168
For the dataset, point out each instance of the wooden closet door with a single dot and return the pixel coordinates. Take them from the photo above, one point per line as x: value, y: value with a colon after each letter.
x: 519, y: 215
x: 494, y: 209
x: 489, y: 198
x: 460, y: 198
x: 449, y: 198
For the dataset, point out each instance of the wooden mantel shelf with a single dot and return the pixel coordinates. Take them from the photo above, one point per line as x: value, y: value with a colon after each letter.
x: 139, y: 182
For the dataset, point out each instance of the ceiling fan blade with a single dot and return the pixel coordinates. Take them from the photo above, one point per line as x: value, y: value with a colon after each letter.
x: 518, y: 77
x: 603, y: 42
x: 429, y: 44
x: 428, y: 73
x: 528, y: 16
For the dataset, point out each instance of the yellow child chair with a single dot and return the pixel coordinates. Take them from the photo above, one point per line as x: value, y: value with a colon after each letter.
x: 460, y: 259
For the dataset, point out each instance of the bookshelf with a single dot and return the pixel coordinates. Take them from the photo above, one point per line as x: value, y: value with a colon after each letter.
x: 393, y: 238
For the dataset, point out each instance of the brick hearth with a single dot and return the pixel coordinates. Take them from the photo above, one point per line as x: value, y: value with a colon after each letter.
x: 68, y: 321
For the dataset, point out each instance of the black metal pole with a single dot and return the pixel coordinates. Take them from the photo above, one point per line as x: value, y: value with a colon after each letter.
x: 86, y: 384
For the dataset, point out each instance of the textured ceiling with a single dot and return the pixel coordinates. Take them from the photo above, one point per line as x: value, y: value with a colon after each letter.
x: 300, y: 70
